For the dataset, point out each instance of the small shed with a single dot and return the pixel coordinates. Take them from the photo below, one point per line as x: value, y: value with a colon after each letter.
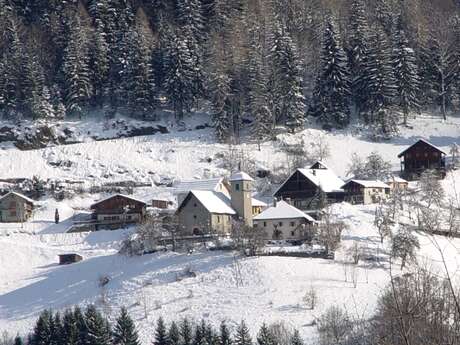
x: 15, y: 207
x: 365, y: 192
x: 162, y: 204
x: 71, y: 258
x: 422, y: 156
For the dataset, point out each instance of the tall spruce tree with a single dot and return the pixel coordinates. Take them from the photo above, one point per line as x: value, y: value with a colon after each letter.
x: 78, y: 88
x: 225, y: 337
x: 97, y: 331
x: 406, y: 73
x: 42, y: 334
x: 265, y: 337
x: 289, y: 101
x: 161, y: 333
x: 295, y: 338
x: 173, y: 334
x: 186, y: 332
x: 70, y: 332
x: 242, y: 335
x: 124, y: 332
x: 330, y: 98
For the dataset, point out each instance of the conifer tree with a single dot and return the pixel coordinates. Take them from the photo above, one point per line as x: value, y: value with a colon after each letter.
x: 295, y: 338
x: 225, y: 337
x: 18, y: 340
x: 70, y: 332
x: 76, y: 72
x: 125, y: 332
x: 186, y: 332
x: 173, y: 334
x: 42, y: 332
x: 406, y: 73
x: 330, y: 99
x: 242, y: 335
x: 221, y: 113
x: 97, y: 331
x: 265, y: 337
x: 161, y: 334
x: 289, y: 101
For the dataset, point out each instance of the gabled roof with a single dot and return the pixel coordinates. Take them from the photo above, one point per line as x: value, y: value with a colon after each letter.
x: 257, y: 202
x: 240, y: 176
x: 118, y: 195
x: 19, y: 195
x: 369, y: 183
x: 214, y: 202
x: 423, y: 141
x: 396, y: 179
x: 319, y: 165
x: 282, y: 210
x: 207, y: 184
x: 326, y: 179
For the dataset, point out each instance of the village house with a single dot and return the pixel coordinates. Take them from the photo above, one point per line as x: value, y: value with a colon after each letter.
x: 209, y: 211
x: 117, y: 211
x: 365, y: 192
x: 305, y: 187
x: 397, y: 183
x: 284, y: 222
x: 420, y: 157
x: 15, y: 208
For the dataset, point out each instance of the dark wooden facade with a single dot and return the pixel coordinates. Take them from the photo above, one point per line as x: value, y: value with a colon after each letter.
x: 302, y: 193
x: 117, y: 211
x: 65, y: 259
x: 420, y: 157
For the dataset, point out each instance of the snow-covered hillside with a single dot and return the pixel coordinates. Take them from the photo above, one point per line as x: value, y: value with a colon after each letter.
x: 226, y: 286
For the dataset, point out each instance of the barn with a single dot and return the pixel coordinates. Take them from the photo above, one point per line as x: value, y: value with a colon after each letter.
x: 15, y: 208
x: 422, y: 156
x: 117, y: 211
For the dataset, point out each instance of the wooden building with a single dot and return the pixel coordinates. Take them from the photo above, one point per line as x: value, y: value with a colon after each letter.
x: 65, y: 259
x: 422, y: 156
x: 365, y: 192
x: 397, y: 183
x: 117, y: 211
x: 15, y: 208
x: 306, y: 187
x: 161, y: 204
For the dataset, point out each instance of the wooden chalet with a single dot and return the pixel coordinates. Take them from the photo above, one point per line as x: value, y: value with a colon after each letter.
x: 117, y: 211
x: 15, y: 208
x: 65, y: 259
x: 306, y: 187
x: 420, y: 157
x: 366, y: 192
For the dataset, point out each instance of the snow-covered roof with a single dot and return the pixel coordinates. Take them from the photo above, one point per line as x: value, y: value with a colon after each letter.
x: 423, y: 141
x: 324, y: 178
x: 396, y: 179
x: 282, y: 210
x: 257, y: 202
x: 241, y: 176
x: 214, y: 202
x: 319, y: 163
x: 369, y: 183
x: 120, y: 195
x: 22, y: 196
x: 188, y: 185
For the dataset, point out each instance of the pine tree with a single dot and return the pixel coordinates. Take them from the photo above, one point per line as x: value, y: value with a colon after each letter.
x: 99, y: 66
x: 242, y: 336
x: 406, y: 73
x: 225, y: 337
x: 18, y: 340
x: 70, y: 333
x: 173, y: 334
x: 56, y: 330
x: 186, y: 332
x: 330, y: 99
x: 125, y: 332
x: 42, y: 331
x: 76, y: 72
x: 180, y: 75
x: 295, y: 338
x: 453, y: 78
x: 358, y: 49
x: 97, y: 331
x: 265, y: 337
x: 221, y: 113
x: 161, y: 334
x: 289, y: 104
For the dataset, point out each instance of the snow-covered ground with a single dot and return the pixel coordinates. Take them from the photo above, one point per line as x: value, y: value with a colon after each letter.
x: 226, y: 287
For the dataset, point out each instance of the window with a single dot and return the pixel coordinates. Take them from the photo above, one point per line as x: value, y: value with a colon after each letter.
x: 194, y: 216
x: 280, y: 223
x: 265, y: 224
x: 237, y: 186
x: 218, y: 219
x: 194, y: 205
x: 292, y: 233
x: 292, y: 223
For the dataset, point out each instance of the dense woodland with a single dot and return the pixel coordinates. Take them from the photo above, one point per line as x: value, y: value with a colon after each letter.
x: 252, y: 63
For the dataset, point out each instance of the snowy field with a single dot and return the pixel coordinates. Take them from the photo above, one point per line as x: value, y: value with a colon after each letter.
x: 265, y: 289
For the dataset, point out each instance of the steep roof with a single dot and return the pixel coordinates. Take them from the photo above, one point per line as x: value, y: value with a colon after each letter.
x: 214, y: 202
x: 369, y: 183
x: 257, y: 202
x: 19, y: 195
x: 418, y: 141
x: 240, y: 176
x: 396, y: 179
x: 282, y: 210
x: 117, y: 195
x: 207, y: 184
